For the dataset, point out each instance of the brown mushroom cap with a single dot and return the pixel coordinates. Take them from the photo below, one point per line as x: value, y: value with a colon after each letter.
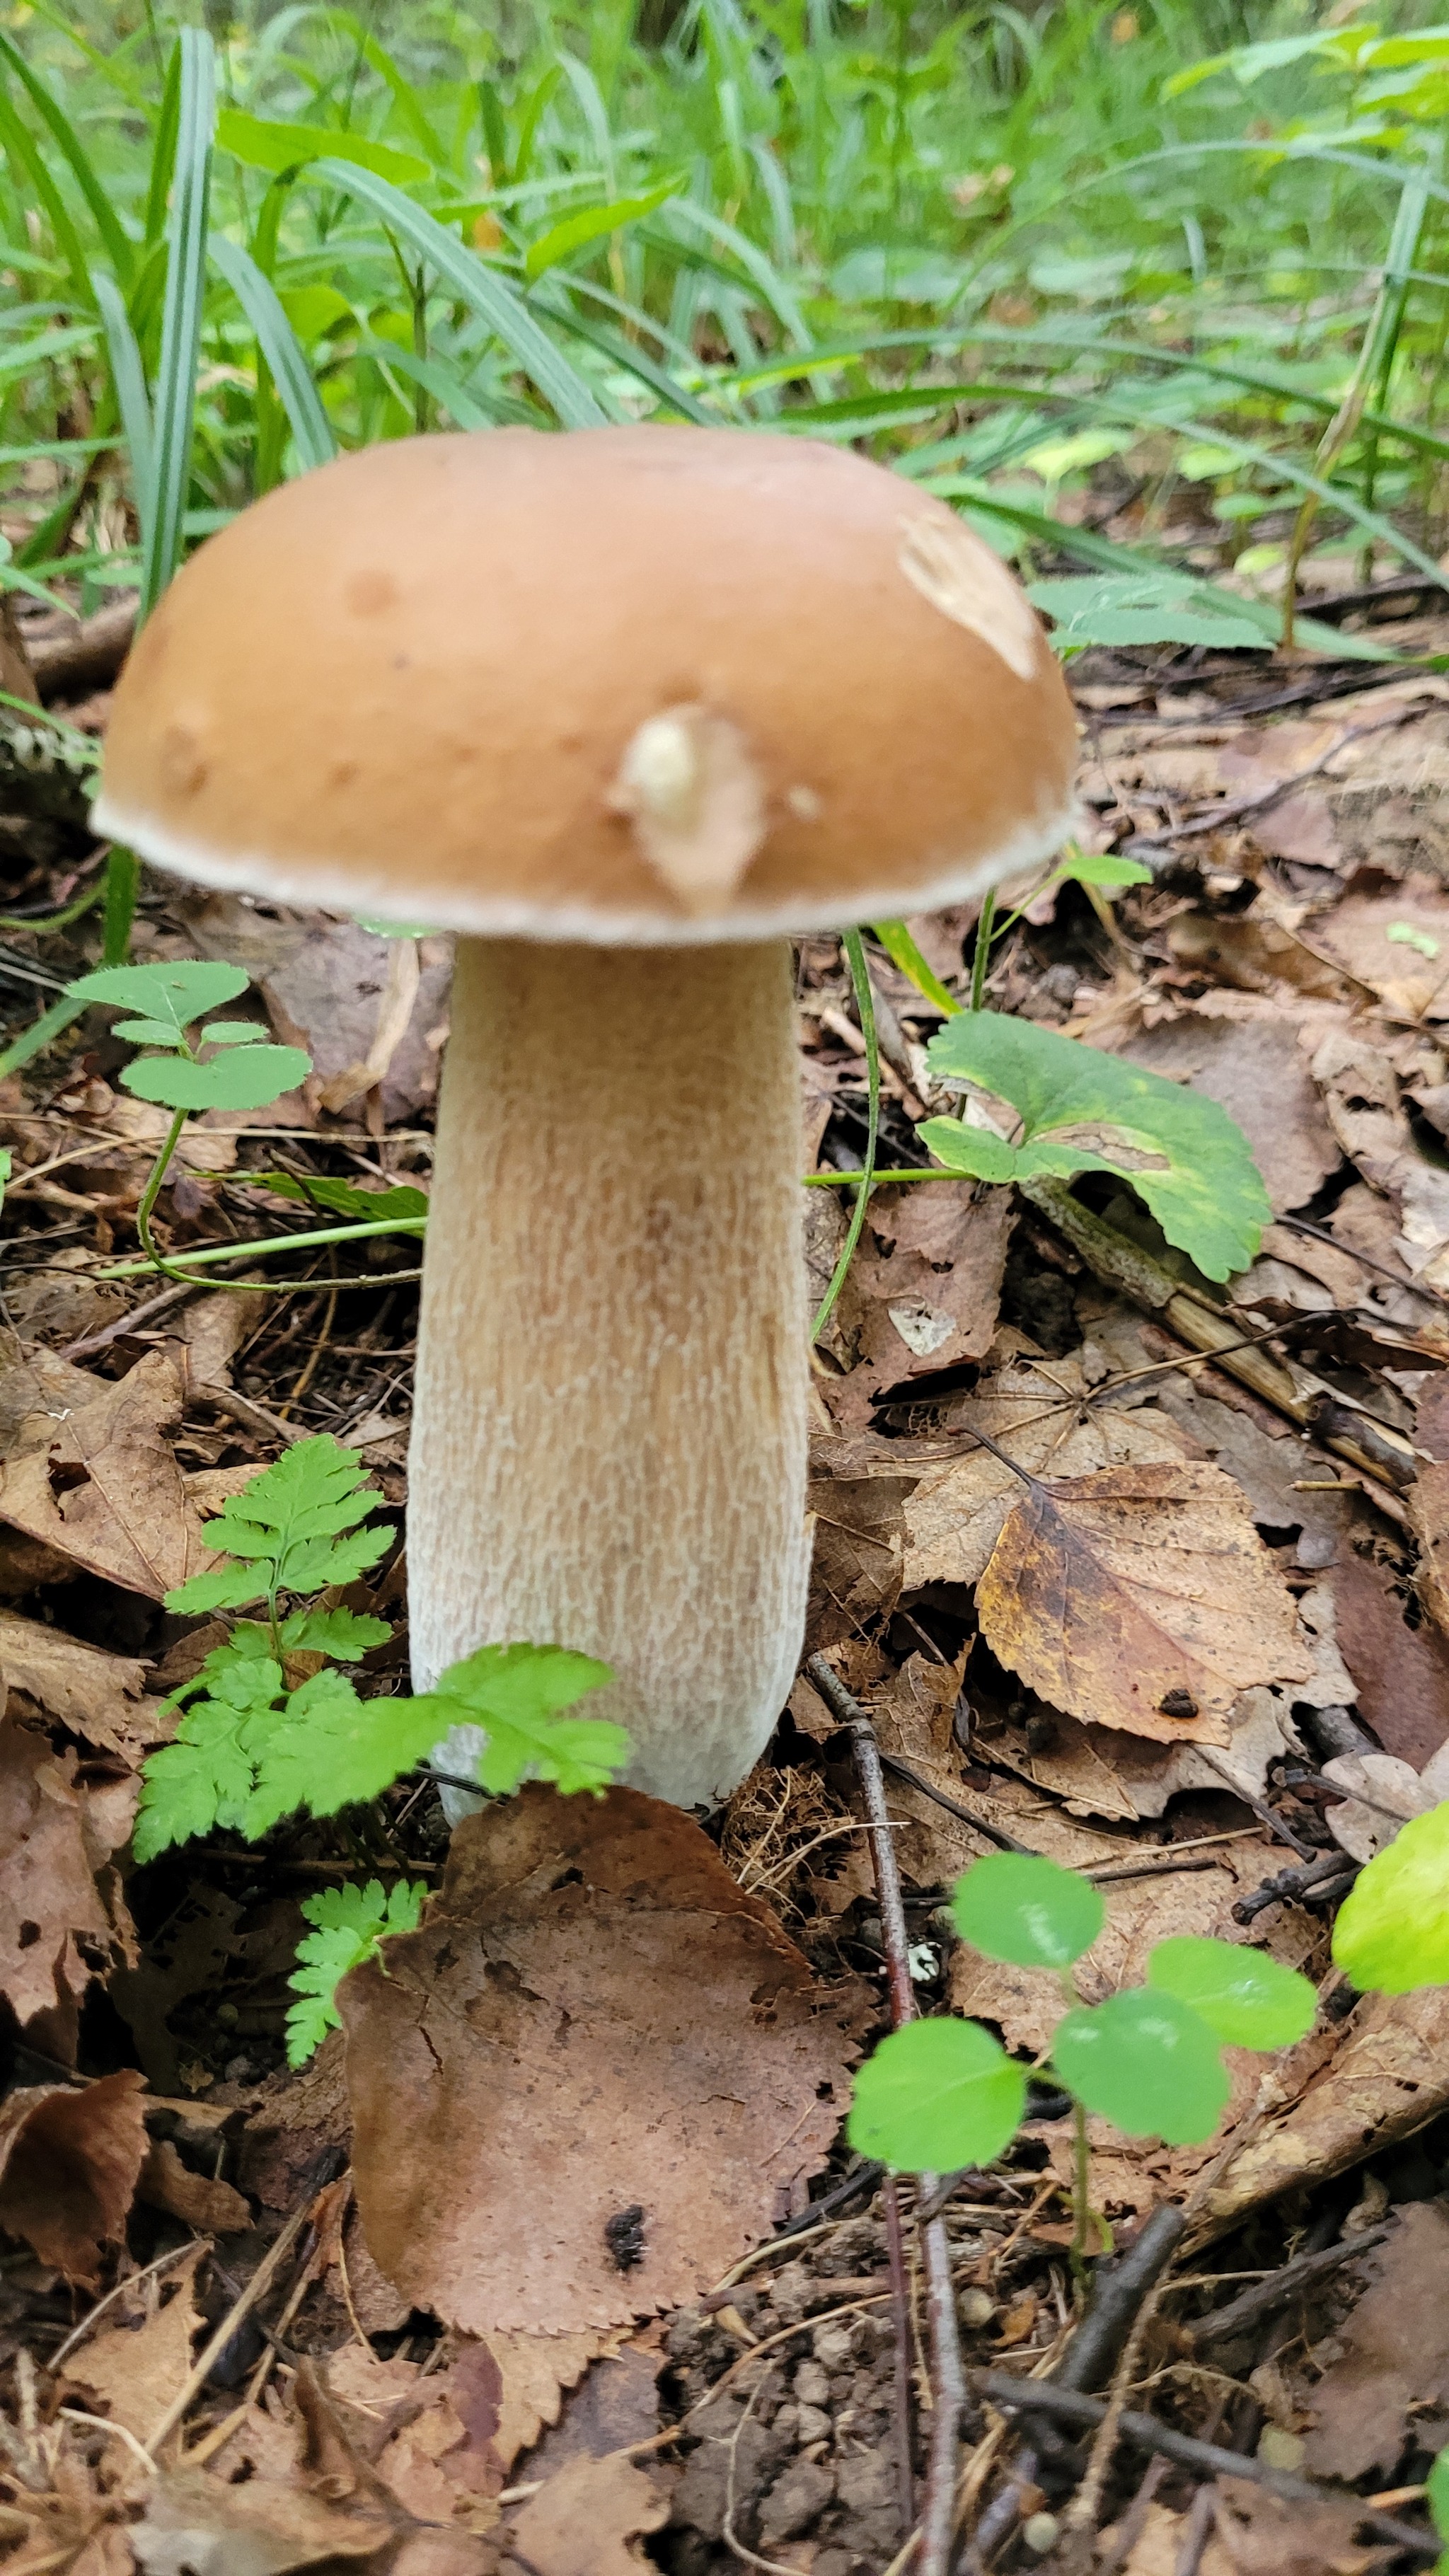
x: 631, y: 684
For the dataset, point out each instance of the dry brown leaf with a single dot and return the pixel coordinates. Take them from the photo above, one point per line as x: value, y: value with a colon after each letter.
x: 1157, y: 2550
x: 1408, y: 977
x: 55, y: 1843
x: 204, y: 2201
x: 343, y: 993
x: 102, y: 1484
x: 1427, y: 1502
x: 858, y: 1485
x: 68, y: 2167
x: 1400, y: 1672
x: 1394, y: 2365
x: 1252, y: 1066
x: 195, y: 2526
x: 583, y: 2519
x: 1108, y: 1593
x: 593, y: 2017
x: 135, y: 2370
x: 930, y: 1277
x: 1264, y: 2535
x: 97, y: 1695
x: 1034, y: 1410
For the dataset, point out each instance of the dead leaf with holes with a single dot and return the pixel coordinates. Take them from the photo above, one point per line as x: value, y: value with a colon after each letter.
x: 69, y: 2161
x: 101, y: 1485
x: 63, y: 1919
x: 135, y: 2367
x: 1039, y: 1412
x: 1121, y: 1595
x: 593, y: 2018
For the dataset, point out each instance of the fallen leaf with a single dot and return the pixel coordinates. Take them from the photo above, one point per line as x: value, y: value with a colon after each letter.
x: 1264, y: 2535
x: 614, y: 2406
x: 102, y: 1485
x: 203, y: 2201
x: 1252, y: 1066
x: 95, y: 1694
x: 929, y: 1278
x: 347, y: 996
x: 1407, y: 973
x: 1395, y: 2354
x: 594, y: 2016
x: 1427, y: 1502
x: 1038, y: 1411
x: 1400, y: 1672
x: 58, y: 1925
x: 1157, y: 2549
x: 68, y: 2167
x: 184, y: 1959
x: 582, y: 2520
x: 195, y: 2526
x: 134, y: 2371
x: 858, y: 1486
x: 1108, y: 1593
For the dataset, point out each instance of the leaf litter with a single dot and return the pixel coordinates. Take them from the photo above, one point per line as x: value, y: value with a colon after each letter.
x: 1010, y: 1639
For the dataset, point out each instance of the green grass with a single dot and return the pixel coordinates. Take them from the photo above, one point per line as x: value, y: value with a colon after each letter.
x: 1009, y: 249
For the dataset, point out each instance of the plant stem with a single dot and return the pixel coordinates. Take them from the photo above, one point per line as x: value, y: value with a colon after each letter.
x: 981, y: 954
x: 152, y: 1191
x: 1081, y: 2195
x: 854, y: 947
x: 57, y: 920
x: 272, y: 1243
x: 123, y: 878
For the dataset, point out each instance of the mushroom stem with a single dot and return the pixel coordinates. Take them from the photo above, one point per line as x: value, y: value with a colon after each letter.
x: 608, y: 1447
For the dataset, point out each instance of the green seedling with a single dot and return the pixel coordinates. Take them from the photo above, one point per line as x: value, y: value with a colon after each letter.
x: 941, y: 2094
x: 1436, y: 2495
x: 351, y: 1923
x: 218, y: 1064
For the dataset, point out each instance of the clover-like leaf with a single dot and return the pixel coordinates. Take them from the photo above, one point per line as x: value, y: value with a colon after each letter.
x: 250, y: 1077
x: 170, y: 996
x: 1026, y: 1910
x: 1147, y: 2062
x: 937, y: 2095
x: 1392, y: 1932
x: 1083, y: 1111
x: 1248, y: 1999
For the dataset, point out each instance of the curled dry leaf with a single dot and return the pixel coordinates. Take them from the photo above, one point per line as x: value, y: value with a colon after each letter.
x: 1393, y: 2367
x: 593, y: 2017
x: 582, y: 2520
x: 1109, y: 1594
x: 195, y: 2526
x: 61, y: 1912
x: 95, y: 1694
x: 101, y: 1484
x: 68, y: 2167
x: 134, y: 2370
x: 203, y: 2201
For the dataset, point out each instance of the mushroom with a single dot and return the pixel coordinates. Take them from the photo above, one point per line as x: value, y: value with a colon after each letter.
x: 624, y: 707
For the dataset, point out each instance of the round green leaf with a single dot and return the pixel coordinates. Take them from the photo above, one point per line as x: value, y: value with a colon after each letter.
x: 1249, y: 2000
x: 244, y: 1078
x: 1437, y: 2495
x: 937, y: 2095
x: 1028, y: 1911
x: 1146, y: 2061
x: 173, y: 994
x: 1392, y: 1932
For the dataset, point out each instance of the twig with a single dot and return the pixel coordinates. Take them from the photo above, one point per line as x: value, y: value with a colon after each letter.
x: 1294, y: 1885
x: 261, y: 2281
x: 253, y: 1417
x: 1238, y: 811
x: 127, y: 1323
x: 1200, y: 2518
x: 1073, y: 2406
x: 197, y: 2245
x: 994, y: 1833
x: 1118, y: 2291
x: 1284, y: 2284
x: 948, y: 2387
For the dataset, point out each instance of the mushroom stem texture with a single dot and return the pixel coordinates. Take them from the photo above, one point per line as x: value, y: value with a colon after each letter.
x: 608, y: 1447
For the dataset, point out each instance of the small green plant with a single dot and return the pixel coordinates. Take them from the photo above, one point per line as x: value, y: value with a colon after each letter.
x: 1392, y: 1932
x: 1436, y: 2494
x: 221, y: 1064
x: 253, y: 1746
x: 350, y: 1923
x: 941, y: 2094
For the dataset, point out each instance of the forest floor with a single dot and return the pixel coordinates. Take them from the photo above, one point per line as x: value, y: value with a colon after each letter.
x: 206, y: 2364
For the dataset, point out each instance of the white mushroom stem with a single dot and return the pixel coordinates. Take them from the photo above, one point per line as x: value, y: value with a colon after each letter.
x: 608, y: 1446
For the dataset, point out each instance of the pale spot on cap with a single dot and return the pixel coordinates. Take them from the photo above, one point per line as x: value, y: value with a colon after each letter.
x: 805, y: 804
x: 958, y: 573
x: 182, y: 760
x: 691, y: 790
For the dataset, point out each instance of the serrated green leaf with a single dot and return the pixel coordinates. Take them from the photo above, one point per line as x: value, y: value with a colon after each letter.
x: 937, y: 2095
x: 230, y: 1033
x: 244, y: 1078
x: 1196, y: 1174
x: 316, y: 1489
x: 1031, y: 1912
x: 226, y: 1587
x: 515, y: 1694
x: 1146, y: 608
x: 1248, y: 1999
x: 1147, y: 2062
x: 1392, y: 1933
x: 311, y: 1564
x: 351, y: 1922
x: 144, y: 1033
x: 189, y: 1787
x: 172, y: 995
x: 347, y: 1634
x: 340, y: 1751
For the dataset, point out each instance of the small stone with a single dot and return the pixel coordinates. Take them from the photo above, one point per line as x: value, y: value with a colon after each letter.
x: 813, y: 2425
x: 1280, y: 2450
x: 812, y: 2387
x: 833, y: 2347
x: 796, y: 2500
x: 790, y: 2294
x: 1039, y: 2532
x: 976, y: 2308
x: 866, y: 2482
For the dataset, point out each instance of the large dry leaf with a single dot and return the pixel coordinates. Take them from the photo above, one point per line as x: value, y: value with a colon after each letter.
x: 68, y: 2167
x: 97, y: 1695
x: 582, y: 2520
x: 204, y: 2201
x: 1253, y: 1067
x: 101, y: 1484
x: 1110, y: 1593
x: 1400, y: 1671
x: 61, y: 1912
x: 1393, y: 2368
x: 1039, y: 1413
x: 135, y: 2370
x: 594, y: 2018
x: 931, y: 1277
x: 367, y: 1010
x: 195, y: 2526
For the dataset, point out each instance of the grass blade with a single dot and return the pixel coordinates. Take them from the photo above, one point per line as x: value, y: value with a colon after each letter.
x: 278, y: 344
x: 165, y: 506
x: 477, y: 286
x: 854, y: 947
x: 128, y: 376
